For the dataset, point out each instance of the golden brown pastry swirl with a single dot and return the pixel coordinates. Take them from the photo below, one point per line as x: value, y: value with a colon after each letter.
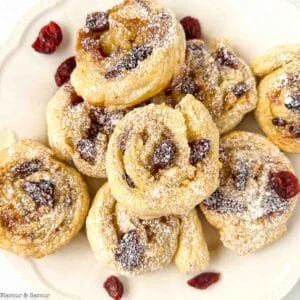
x: 43, y: 203
x: 163, y: 161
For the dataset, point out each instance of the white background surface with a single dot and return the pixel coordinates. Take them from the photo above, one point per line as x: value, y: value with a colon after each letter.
x: 10, y: 13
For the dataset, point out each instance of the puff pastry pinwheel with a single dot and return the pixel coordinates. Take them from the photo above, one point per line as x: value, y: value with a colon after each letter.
x: 119, y: 53
x: 257, y: 193
x: 278, y: 109
x: 133, y: 246
x: 79, y: 132
x: 43, y: 202
x: 217, y: 77
x: 162, y: 160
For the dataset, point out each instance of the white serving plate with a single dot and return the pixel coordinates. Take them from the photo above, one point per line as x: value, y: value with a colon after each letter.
x: 26, y: 85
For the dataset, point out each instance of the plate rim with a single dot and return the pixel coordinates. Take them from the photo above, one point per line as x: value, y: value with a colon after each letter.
x: 11, y: 44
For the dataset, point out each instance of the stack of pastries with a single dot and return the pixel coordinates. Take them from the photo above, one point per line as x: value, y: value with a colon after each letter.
x: 145, y: 108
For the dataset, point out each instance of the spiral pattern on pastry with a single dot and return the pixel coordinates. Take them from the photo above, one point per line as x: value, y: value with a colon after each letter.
x: 257, y: 193
x: 133, y: 246
x: 118, y: 53
x: 43, y: 203
x: 79, y: 132
x: 162, y: 160
x: 217, y: 77
x: 278, y: 108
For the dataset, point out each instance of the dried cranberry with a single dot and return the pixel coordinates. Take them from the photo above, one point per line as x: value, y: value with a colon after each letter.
x: 223, y: 205
x: 227, y: 58
x: 42, y: 192
x: 285, y: 184
x: 295, y: 131
x: 130, y: 252
x: 163, y: 155
x: 27, y: 168
x: 129, y: 63
x: 64, y: 71
x: 142, y: 52
x: 97, y: 21
x: 199, y: 150
x: 204, y: 280
x: 75, y: 99
x: 192, y: 28
x: 279, y: 122
x: 128, y: 180
x: 139, y: 53
x: 104, y: 121
x: 87, y: 150
x: 188, y: 85
x: 93, y: 130
x: 114, y: 287
x: 49, y: 38
x: 240, y: 89
x: 95, y: 124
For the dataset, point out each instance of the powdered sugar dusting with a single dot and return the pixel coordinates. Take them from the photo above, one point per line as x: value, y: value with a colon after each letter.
x: 149, y: 25
x: 85, y: 128
x: 130, y: 252
x: 254, y: 216
x: 217, y: 77
x: 253, y: 196
x: 284, y: 98
x: 138, y: 245
x: 154, y: 143
x: 219, y: 203
x: 34, y: 192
